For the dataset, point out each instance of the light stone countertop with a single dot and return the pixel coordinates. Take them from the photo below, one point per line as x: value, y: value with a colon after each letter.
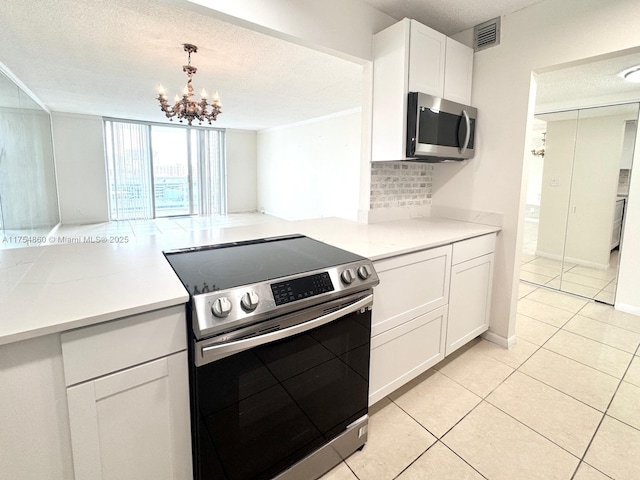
x: 51, y: 289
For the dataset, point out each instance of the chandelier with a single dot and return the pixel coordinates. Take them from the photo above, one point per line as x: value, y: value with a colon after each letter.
x: 187, y: 108
x: 540, y: 152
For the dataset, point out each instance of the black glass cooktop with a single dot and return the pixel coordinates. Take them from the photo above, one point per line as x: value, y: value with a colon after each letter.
x: 218, y: 267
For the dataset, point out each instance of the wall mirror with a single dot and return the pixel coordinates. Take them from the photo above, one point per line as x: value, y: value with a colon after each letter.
x: 578, y: 182
x: 28, y: 196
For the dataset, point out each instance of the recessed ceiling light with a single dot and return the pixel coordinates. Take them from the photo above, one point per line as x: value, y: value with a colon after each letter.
x: 631, y: 74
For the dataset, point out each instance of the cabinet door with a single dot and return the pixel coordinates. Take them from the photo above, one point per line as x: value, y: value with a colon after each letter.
x: 458, y: 72
x: 389, y: 107
x: 469, y: 301
x: 402, y: 353
x: 426, y: 60
x: 133, y: 424
x: 410, y: 285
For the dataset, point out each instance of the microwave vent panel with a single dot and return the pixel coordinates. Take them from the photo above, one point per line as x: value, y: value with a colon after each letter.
x: 486, y: 34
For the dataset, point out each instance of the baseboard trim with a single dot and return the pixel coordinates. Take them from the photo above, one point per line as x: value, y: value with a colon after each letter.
x: 623, y: 307
x: 504, y: 342
x: 577, y: 261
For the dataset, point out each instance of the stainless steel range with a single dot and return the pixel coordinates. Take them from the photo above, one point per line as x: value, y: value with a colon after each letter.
x: 279, y: 351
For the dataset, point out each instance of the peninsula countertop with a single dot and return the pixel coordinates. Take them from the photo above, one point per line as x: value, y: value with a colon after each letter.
x: 55, y: 288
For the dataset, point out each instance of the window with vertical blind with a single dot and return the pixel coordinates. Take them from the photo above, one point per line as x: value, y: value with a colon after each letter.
x: 159, y: 170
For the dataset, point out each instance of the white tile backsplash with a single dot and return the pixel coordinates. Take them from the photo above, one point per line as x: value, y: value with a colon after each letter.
x: 400, y: 184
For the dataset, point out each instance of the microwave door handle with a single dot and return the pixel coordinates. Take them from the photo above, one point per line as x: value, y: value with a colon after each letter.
x: 467, y: 136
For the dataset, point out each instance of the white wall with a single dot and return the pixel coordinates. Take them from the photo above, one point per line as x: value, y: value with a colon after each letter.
x: 241, y: 147
x: 311, y: 169
x: 545, y: 34
x: 80, y: 165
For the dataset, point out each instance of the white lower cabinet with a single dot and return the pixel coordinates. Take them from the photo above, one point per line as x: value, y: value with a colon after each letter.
x: 409, y: 318
x: 404, y: 352
x: 470, y: 290
x: 128, y: 398
x: 428, y: 304
x: 469, y: 301
x: 133, y: 424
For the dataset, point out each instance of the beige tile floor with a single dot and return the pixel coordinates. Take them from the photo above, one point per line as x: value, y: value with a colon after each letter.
x: 563, y: 404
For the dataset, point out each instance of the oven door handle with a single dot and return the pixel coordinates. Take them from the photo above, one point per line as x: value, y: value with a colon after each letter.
x: 210, y: 353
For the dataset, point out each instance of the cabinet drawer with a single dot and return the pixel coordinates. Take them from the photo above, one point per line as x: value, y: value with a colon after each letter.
x: 404, y: 352
x: 101, y: 349
x: 410, y: 285
x: 473, y: 248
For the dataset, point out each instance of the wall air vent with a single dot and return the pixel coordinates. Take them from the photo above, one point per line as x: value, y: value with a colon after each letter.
x: 486, y: 34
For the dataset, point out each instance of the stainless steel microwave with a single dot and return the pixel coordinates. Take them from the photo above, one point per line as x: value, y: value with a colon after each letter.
x: 439, y: 129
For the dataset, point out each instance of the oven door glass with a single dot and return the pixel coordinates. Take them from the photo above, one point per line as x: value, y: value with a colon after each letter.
x: 261, y: 410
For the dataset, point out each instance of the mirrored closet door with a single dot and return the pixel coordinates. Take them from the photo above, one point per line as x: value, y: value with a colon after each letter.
x: 578, y: 185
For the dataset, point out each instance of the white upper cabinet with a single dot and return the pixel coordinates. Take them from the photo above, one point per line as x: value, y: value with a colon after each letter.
x: 427, y: 49
x: 458, y: 72
x: 411, y: 57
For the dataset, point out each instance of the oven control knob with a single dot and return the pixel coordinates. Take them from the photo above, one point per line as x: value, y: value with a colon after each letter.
x: 250, y: 301
x: 221, y: 307
x: 347, y: 276
x: 364, y: 272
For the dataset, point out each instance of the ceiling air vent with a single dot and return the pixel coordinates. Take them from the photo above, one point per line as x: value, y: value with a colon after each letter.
x: 486, y: 34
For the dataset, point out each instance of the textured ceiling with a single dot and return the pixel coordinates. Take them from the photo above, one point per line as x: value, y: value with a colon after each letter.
x: 449, y: 16
x: 593, y: 82
x: 107, y: 58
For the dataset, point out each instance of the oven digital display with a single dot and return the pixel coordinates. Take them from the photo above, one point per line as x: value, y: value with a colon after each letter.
x: 301, y: 288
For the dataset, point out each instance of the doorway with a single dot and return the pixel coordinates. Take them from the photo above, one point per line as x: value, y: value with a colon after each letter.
x: 172, y: 172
